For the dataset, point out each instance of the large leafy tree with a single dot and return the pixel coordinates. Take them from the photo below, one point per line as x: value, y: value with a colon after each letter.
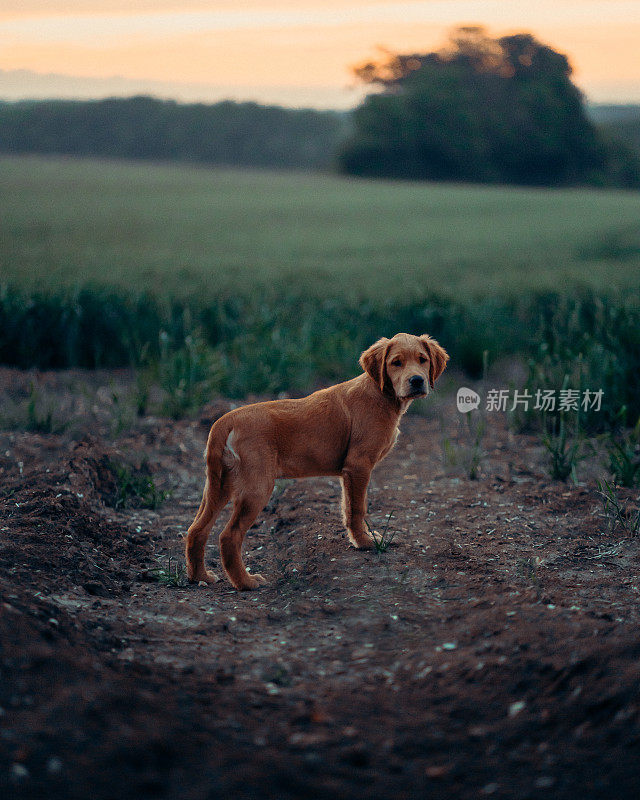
x: 481, y: 109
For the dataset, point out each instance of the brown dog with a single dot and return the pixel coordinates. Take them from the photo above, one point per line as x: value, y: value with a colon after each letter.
x: 343, y: 430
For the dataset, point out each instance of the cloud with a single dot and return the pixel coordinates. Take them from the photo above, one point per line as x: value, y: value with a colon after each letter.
x: 72, y: 22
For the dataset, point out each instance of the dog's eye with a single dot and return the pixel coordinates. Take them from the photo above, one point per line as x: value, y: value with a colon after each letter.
x: 422, y: 360
x: 396, y: 362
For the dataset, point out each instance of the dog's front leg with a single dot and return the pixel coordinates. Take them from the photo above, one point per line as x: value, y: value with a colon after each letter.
x: 355, y: 479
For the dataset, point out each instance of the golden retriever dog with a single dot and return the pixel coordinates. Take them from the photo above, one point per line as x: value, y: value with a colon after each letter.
x: 344, y: 430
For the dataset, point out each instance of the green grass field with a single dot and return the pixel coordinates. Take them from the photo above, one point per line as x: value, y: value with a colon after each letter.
x: 240, y: 282
x: 184, y: 232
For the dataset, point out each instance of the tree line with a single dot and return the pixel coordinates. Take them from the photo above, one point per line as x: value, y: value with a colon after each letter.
x: 147, y: 128
x: 482, y: 109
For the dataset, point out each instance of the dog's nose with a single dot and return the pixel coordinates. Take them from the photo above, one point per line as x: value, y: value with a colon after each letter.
x: 416, y: 382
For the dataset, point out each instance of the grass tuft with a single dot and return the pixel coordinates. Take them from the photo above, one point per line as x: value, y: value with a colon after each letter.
x: 619, y: 516
x: 169, y: 572
x: 382, y: 540
x: 623, y: 450
x: 136, y: 488
x: 564, y: 449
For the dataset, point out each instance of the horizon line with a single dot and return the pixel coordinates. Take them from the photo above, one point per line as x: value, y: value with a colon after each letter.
x: 321, y: 97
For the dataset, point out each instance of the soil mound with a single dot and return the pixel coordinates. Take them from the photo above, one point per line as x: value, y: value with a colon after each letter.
x: 92, y: 470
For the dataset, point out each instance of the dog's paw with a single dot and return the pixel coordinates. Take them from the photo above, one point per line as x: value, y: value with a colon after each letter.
x: 364, y: 541
x: 205, y: 578
x: 253, y: 581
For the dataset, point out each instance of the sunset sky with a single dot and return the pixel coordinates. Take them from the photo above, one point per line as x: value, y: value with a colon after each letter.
x: 295, y: 52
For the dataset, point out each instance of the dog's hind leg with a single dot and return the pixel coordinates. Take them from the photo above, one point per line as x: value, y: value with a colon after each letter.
x: 214, y: 499
x: 247, y: 506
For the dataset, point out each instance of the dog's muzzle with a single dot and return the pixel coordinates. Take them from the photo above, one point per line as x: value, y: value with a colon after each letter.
x: 417, y: 386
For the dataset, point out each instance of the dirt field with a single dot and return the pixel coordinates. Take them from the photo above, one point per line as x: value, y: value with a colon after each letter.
x: 492, y: 650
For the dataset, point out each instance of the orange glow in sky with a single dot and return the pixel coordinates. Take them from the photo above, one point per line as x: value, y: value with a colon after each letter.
x: 298, y: 49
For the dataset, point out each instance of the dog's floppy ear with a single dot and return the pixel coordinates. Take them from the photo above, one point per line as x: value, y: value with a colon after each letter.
x: 438, y: 358
x: 372, y: 361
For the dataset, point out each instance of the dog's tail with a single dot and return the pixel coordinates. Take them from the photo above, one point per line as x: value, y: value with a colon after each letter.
x: 220, y: 454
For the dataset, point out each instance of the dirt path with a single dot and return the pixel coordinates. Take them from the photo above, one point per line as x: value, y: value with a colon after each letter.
x: 492, y: 650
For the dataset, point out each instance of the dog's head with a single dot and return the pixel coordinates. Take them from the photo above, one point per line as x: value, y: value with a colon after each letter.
x: 405, y: 367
